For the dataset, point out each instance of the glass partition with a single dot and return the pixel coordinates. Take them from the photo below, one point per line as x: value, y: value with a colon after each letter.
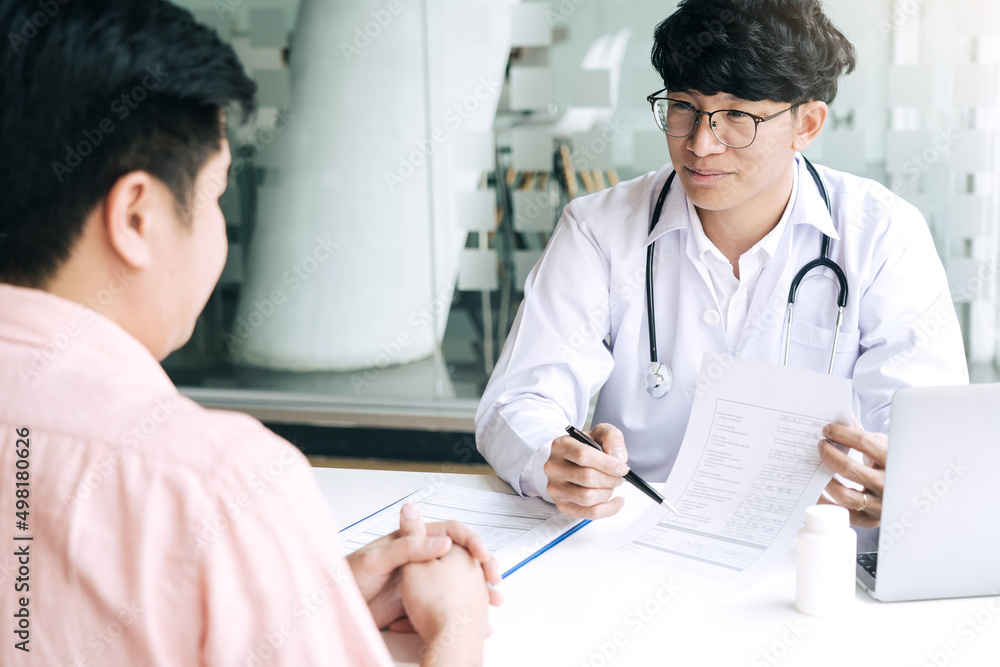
x: 411, y: 157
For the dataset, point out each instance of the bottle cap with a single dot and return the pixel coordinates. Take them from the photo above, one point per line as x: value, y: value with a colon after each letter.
x: 827, y: 517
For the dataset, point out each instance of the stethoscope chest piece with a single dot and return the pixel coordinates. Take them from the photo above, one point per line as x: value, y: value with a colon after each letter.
x: 657, y: 379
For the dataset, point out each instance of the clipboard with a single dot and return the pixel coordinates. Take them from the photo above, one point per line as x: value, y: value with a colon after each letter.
x: 516, y: 530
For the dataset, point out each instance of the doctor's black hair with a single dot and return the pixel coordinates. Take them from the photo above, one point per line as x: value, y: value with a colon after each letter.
x: 91, y: 90
x: 780, y: 50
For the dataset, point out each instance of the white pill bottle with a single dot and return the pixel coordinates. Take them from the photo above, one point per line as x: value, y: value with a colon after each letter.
x: 825, y: 561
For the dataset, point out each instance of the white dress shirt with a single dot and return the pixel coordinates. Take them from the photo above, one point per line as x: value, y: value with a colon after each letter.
x: 733, y: 295
x: 899, y: 328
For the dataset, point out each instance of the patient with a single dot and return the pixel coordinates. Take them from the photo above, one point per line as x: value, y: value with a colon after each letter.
x: 162, y: 533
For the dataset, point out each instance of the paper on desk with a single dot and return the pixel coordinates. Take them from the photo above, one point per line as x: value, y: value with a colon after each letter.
x: 748, y: 468
x: 512, y: 527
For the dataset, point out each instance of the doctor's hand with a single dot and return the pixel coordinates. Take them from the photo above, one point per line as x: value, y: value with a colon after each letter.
x: 582, y: 479
x: 377, y: 567
x: 865, y: 505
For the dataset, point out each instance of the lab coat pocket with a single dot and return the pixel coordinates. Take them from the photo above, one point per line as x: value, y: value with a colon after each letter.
x: 809, y: 347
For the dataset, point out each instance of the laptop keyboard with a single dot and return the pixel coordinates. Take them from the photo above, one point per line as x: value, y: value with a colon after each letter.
x: 869, y: 561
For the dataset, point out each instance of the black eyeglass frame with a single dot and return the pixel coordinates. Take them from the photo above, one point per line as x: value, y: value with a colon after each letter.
x: 757, y: 120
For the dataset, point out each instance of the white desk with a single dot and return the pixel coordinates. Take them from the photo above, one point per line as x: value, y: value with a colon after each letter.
x: 563, y: 609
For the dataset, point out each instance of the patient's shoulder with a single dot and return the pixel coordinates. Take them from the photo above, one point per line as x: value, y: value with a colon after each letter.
x: 177, y: 432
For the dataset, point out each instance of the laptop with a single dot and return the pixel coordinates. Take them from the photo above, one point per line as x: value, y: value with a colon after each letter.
x: 940, y: 530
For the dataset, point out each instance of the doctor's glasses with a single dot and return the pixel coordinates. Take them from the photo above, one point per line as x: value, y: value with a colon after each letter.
x: 733, y: 128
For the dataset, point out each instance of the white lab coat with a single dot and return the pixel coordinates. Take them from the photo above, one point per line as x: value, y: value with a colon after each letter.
x: 899, y: 329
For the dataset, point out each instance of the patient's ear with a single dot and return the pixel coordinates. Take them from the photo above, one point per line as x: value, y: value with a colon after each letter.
x: 128, y: 214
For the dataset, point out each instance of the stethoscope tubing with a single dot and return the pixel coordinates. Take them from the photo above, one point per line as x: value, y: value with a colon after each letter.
x: 658, y: 375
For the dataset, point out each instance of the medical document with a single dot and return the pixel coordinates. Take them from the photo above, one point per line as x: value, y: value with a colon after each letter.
x: 748, y: 468
x: 512, y: 527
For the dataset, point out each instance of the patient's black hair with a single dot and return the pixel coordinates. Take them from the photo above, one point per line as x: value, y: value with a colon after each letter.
x: 91, y: 90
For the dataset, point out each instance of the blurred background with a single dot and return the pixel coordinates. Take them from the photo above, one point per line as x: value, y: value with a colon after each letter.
x: 411, y: 157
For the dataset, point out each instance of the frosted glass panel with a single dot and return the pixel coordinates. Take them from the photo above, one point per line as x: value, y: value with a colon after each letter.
x: 969, y: 216
x: 532, y: 150
x: 474, y: 150
x: 534, y: 211
x: 910, y: 86
x: 592, y: 88
x: 478, y: 270
x: 904, y: 147
x: 970, y: 152
x: 524, y: 261
x: 650, y: 148
x: 970, y: 280
x: 257, y: 58
x: 273, y: 88
x: 592, y: 150
x: 477, y: 210
x: 530, y: 25
x: 267, y: 28
x: 976, y: 85
x: 851, y: 93
x: 976, y: 17
x: 530, y: 88
x: 845, y: 150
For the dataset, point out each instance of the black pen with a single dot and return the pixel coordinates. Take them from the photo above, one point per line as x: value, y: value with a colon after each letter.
x: 630, y: 477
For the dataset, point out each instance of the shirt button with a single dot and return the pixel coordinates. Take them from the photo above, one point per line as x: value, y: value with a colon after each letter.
x: 711, y: 318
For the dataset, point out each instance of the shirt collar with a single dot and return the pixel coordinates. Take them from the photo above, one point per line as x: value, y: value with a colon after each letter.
x: 674, y: 214
x: 809, y: 206
x: 58, y: 326
x: 805, y: 205
x: 703, y: 244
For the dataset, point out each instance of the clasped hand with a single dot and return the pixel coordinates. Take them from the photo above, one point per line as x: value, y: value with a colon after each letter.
x: 378, y: 567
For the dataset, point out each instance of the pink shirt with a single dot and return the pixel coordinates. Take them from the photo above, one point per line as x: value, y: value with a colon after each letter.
x: 163, y: 533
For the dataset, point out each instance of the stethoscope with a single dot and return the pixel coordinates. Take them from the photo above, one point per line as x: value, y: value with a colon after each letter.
x: 658, y: 377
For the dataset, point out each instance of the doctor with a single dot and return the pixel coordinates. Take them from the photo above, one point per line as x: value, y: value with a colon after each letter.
x: 747, y: 84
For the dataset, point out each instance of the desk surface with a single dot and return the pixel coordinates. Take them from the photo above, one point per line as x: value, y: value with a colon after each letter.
x: 563, y: 609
